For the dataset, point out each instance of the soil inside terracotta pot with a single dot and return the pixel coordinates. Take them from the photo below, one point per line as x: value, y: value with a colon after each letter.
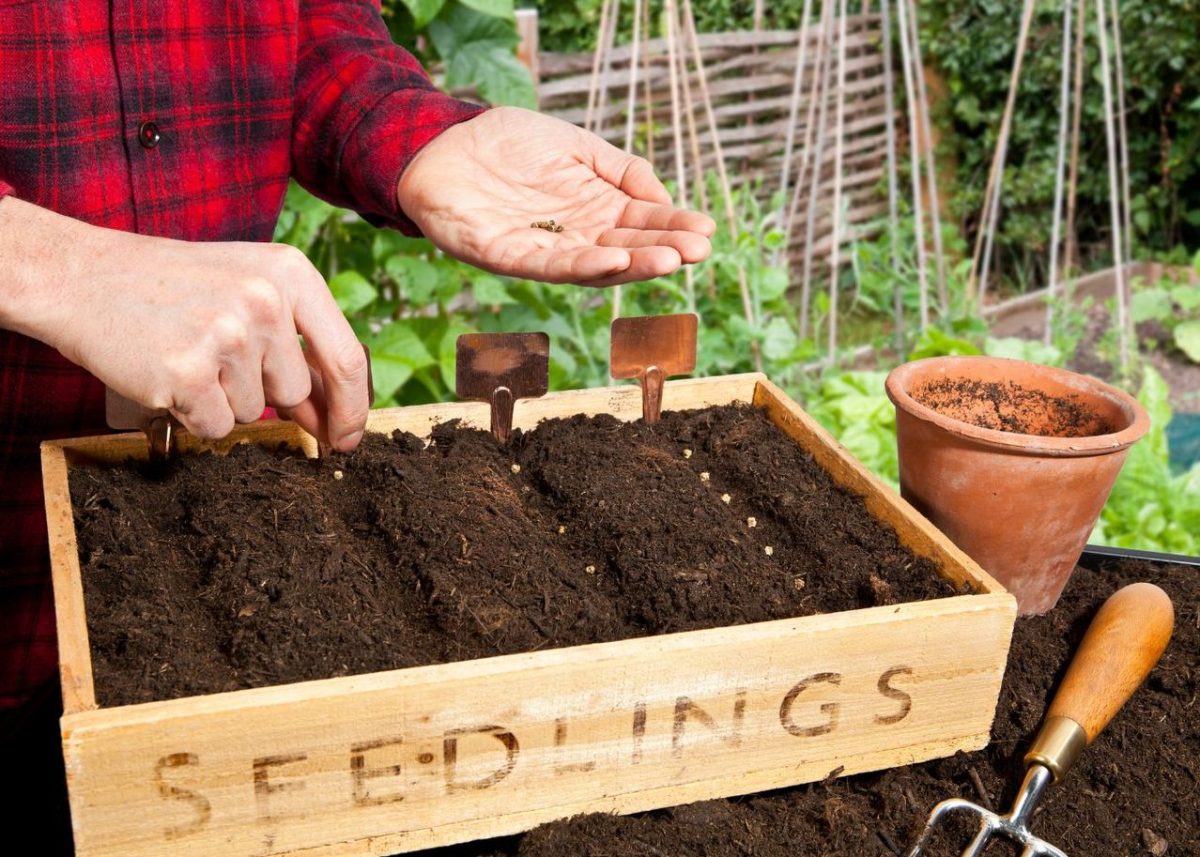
x: 1009, y: 406
x: 1135, y: 791
x: 262, y: 568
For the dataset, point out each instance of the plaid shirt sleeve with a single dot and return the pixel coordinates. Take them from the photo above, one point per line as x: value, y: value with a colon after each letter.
x: 364, y: 108
x: 5, y: 189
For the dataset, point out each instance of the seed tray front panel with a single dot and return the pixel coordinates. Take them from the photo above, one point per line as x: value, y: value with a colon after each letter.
x: 408, y: 759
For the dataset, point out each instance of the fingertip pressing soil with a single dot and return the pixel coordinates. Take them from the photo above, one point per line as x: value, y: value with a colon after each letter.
x: 1008, y: 406
x: 1134, y: 792
x: 260, y: 568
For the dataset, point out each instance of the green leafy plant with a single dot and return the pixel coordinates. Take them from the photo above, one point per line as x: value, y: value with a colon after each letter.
x: 1175, y: 307
x: 472, y: 41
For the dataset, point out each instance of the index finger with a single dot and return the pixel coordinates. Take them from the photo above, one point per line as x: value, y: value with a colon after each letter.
x: 339, y: 358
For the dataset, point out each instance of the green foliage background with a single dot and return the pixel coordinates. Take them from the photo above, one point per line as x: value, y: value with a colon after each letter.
x: 972, y: 43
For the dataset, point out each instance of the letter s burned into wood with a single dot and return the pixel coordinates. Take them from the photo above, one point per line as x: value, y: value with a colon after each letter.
x: 198, y: 802
x: 905, y: 700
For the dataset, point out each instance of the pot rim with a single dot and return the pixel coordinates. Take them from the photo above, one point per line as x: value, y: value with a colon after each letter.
x: 903, y: 376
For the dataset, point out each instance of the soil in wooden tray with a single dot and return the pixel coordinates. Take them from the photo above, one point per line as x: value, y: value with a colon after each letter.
x: 1136, y: 791
x: 262, y: 568
x: 1008, y: 406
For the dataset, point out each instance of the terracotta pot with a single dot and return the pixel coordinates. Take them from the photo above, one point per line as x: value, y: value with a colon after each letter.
x: 1021, y: 505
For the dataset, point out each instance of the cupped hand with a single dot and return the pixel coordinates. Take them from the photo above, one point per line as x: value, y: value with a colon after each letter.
x: 476, y: 189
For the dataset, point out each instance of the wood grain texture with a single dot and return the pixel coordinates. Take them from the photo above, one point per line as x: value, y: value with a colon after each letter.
x: 1125, y: 640
x: 409, y: 759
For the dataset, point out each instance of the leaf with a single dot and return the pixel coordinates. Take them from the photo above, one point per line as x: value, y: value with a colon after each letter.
x: 490, y: 290
x: 779, y: 340
x: 1188, y: 297
x: 478, y: 51
x: 1030, y: 350
x: 352, y: 291
x: 1151, y: 305
x: 448, y: 350
x: 424, y: 11
x: 396, y: 352
x: 495, y: 8
x: 1187, y: 339
x: 416, y: 277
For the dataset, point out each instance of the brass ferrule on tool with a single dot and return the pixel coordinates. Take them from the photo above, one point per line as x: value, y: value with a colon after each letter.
x: 1058, y: 745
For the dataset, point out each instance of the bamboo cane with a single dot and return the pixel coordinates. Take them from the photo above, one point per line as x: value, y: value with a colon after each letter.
x: 981, y: 259
x: 810, y: 224
x: 1059, y: 168
x: 807, y: 155
x: 630, y: 114
x: 789, y: 142
x: 648, y: 86
x: 1114, y: 189
x: 748, y: 309
x: 914, y: 161
x: 889, y: 89
x: 935, y: 216
x: 1076, y: 120
x: 838, y: 151
x: 1123, y: 133
x: 606, y: 65
x: 594, y: 85
x: 677, y: 136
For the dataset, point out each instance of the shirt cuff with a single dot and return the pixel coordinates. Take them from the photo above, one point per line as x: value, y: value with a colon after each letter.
x: 5, y: 189
x: 385, y: 142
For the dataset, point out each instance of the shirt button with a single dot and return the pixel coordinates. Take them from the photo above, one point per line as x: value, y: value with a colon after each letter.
x: 148, y: 135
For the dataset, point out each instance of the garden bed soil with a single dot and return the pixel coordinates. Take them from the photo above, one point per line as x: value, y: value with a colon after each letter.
x: 216, y: 573
x: 1135, y: 791
x: 1008, y: 406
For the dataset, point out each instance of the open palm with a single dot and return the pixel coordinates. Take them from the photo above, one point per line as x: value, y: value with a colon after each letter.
x: 477, y: 188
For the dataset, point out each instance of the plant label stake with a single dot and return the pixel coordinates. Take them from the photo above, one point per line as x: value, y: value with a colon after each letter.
x: 160, y: 427
x: 651, y: 348
x: 499, y: 368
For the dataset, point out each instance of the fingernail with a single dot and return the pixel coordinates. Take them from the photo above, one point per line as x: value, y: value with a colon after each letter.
x: 347, y: 442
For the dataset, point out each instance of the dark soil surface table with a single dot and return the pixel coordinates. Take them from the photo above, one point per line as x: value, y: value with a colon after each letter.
x: 264, y: 568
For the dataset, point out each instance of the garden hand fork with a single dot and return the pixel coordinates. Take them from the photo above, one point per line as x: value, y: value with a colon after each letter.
x: 1121, y: 646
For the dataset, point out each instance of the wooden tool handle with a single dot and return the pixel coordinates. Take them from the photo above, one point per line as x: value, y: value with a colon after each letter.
x: 1122, y: 645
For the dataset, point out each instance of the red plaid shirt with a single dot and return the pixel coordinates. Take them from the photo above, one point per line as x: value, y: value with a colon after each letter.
x: 182, y: 120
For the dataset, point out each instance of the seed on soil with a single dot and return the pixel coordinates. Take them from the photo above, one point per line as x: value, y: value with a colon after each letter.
x: 769, y: 551
x: 798, y: 583
x: 591, y: 569
x: 1154, y: 843
x: 562, y: 529
x: 752, y: 522
x: 516, y: 468
x: 725, y: 498
x: 687, y: 453
x: 704, y: 476
x: 337, y: 474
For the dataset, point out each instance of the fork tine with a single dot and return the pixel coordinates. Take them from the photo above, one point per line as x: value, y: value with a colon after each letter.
x: 980, y: 842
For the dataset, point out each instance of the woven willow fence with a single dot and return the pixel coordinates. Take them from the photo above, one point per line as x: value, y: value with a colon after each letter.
x: 750, y: 78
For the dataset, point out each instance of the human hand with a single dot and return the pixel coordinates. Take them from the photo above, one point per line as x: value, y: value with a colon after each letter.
x: 475, y: 189
x: 205, y: 330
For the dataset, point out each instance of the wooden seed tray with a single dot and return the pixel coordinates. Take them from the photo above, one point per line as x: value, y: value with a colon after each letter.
x: 409, y: 759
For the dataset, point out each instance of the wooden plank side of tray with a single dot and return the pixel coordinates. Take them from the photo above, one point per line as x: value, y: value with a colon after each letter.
x: 74, y: 654
x: 914, y: 529
x: 398, y: 761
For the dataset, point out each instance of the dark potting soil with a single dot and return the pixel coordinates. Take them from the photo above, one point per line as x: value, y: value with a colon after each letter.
x: 263, y: 567
x: 1135, y: 791
x: 1010, y: 407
